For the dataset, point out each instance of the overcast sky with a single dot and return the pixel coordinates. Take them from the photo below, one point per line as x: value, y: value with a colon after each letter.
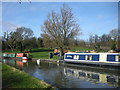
x: 93, y: 17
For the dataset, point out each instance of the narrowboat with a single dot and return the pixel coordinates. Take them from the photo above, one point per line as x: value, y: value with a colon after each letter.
x: 16, y: 56
x: 93, y: 58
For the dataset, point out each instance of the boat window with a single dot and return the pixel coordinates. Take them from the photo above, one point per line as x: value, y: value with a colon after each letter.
x: 88, y: 57
x: 69, y: 57
x: 111, y: 58
x: 118, y: 58
x: 76, y: 57
x: 82, y: 57
x: 95, y: 57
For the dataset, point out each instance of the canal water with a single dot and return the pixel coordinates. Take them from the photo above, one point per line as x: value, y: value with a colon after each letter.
x: 69, y: 75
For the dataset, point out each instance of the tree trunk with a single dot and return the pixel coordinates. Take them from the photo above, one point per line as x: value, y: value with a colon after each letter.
x: 10, y: 46
x: 21, y: 47
x: 61, y: 53
x: 30, y: 50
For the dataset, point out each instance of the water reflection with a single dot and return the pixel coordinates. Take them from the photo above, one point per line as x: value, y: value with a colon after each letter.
x: 62, y: 75
x: 15, y: 63
x: 10, y: 62
x: 93, y: 77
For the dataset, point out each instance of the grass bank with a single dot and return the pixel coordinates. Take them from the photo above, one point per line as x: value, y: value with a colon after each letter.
x: 14, y: 78
x: 43, y: 53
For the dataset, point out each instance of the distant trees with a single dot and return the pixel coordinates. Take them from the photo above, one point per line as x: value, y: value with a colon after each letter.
x: 20, y: 40
x: 21, y: 35
x: 40, y: 42
x: 114, y: 34
x: 23, y: 40
x: 106, y: 40
x: 60, y: 28
x: 30, y: 43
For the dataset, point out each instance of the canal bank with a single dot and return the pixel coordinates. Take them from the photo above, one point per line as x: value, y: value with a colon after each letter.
x: 14, y: 78
x: 69, y: 76
x: 46, y: 60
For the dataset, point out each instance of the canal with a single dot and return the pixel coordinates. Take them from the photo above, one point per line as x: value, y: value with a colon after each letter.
x: 69, y: 75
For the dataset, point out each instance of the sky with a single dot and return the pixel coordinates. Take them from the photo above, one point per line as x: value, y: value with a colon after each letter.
x: 93, y: 17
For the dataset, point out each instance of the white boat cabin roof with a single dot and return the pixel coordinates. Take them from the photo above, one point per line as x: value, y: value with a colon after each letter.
x: 95, y: 53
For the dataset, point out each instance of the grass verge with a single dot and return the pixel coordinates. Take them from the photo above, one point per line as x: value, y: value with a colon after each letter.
x: 43, y: 53
x: 14, y: 78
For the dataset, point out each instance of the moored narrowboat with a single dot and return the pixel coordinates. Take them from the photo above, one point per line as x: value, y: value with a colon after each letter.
x: 16, y: 56
x: 93, y: 58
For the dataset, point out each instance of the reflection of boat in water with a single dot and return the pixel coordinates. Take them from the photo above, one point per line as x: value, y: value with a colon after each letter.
x: 94, y: 77
x: 10, y: 62
x: 112, y: 59
x: 19, y: 64
x: 14, y: 63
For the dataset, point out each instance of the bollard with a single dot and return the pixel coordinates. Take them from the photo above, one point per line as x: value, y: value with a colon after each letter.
x: 38, y: 61
x: 58, y: 61
x: 50, y: 55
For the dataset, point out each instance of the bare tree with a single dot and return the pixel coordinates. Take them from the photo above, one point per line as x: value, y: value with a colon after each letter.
x: 47, y: 41
x: 10, y: 40
x: 114, y: 34
x: 91, y: 40
x: 61, y: 27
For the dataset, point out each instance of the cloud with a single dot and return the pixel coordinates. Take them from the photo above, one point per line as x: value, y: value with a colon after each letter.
x: 6, y: 26
x: 100, y: 17
x: 38, y: 8
x: 33, y: 8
